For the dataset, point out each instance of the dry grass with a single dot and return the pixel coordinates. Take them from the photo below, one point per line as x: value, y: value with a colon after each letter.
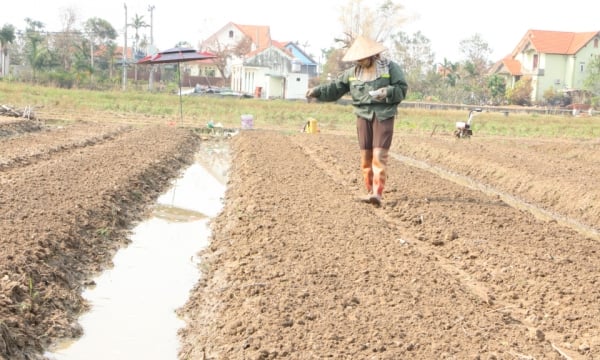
x: 196, y: 111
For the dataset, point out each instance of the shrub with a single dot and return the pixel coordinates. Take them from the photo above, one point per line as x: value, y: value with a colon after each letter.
x: 521, y: 93
x: 556, y: 98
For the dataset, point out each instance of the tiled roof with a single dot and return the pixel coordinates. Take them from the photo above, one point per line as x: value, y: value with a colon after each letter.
x: 118, y: 51
x: 513, y: 66
x: 555, y: 42
x: 507, y: 66
x: 260, y: 34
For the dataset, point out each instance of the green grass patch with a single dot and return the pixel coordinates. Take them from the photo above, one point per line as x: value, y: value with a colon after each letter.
x: 285, y: 115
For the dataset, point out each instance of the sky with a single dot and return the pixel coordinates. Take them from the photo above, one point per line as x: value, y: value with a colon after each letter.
x: 316, y: 22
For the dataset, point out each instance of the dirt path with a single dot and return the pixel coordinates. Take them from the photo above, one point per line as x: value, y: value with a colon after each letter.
x: 297, y: 268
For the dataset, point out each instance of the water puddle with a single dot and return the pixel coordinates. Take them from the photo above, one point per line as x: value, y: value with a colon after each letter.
x: 133, y: 304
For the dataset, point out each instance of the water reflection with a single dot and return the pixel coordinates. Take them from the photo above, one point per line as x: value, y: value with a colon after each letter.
x: 133, y: 304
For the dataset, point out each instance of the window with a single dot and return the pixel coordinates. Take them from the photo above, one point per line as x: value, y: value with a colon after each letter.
x: 535, y: 61
x: 231, y: 34
x: 581, y: 67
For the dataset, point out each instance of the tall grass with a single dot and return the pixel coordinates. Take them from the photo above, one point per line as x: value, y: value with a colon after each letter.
x: 197, y: 111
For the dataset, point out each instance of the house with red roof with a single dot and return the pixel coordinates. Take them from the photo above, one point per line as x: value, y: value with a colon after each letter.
x: 259, y: 65
x: 552, y: 59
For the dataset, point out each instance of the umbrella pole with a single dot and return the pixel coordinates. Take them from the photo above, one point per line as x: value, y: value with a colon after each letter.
x: 180, y: 100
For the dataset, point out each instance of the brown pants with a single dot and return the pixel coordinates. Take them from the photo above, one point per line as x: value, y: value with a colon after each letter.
x: 374, y: 139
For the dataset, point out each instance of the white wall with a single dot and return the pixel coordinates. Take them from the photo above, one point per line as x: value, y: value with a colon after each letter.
x: 297, y: 84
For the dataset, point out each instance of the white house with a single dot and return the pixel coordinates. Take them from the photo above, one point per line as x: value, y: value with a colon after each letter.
x: 269, y: 73
x: 259, y: 65
x: 552, y: 59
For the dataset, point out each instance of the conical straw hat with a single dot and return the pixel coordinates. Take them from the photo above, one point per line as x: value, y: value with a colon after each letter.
x: 362, y: 48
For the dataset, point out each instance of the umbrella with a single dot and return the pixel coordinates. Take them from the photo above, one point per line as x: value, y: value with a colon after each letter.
x: 176, y: 55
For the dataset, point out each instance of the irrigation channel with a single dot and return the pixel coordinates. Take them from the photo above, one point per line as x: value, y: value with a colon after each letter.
x: 133, y: 304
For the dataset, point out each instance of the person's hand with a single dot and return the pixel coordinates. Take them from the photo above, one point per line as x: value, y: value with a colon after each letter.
x: 379, y: 94
x: 310, y: 93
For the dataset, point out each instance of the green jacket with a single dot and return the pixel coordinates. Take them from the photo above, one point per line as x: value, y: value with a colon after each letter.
x: 364, y: 104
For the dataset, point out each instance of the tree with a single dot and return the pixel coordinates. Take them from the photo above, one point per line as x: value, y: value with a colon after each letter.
x: 7, y: 36
x: 497, y: 86
x: 474, y: 69
x: 111, y: 55
x: 36, y: 55
x: 416, y: 56
x: 449, y: 71
x: 356, y: 19
x: 521, y: 93
x: 100, y: 34
x: 377, y: 23
x: 137, y: 23
x: 476, y: 51
x: 65, y: 42
x: 592, y: 81
x: 333, y: 64
x: 224, y: 53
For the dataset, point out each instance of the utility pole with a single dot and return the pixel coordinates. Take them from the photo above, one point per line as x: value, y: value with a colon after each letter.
x: 125, y: 52
x: 151, y: 9
x: 152, y: 47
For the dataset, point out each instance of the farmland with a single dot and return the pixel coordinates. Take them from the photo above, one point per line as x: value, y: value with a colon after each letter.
x: 484, y: 248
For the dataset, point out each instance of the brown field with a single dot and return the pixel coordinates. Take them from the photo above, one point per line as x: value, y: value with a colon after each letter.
x: 484, y: 248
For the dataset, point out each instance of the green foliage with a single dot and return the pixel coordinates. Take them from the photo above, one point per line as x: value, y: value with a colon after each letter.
x: 497, y: 86
x: 7, y: 36
x: 61, y: 79
x: 100, y: 29
x: 103, y: 232
x: 144, y: 108
x: 332, y: 67
x: 521, y: 93
x: 592, y: 82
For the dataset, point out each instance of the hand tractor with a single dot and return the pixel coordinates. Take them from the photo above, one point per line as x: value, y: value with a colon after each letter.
x: 463, y: 129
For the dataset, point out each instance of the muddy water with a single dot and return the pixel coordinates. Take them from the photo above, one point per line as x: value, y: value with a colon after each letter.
x: 133, y: 304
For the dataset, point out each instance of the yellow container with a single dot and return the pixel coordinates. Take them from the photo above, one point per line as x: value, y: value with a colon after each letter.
x: 312, y: 127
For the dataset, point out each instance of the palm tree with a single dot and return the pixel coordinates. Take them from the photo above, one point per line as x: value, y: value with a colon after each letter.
x: 137, y: 23
x: 36, y: 55
x: 449, y: 71
x: 7, y: 36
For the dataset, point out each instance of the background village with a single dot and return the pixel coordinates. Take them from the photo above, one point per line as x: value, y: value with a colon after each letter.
x: 546, y: 68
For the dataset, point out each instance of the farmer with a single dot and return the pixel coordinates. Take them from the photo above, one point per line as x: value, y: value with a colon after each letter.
x: 377, y: 86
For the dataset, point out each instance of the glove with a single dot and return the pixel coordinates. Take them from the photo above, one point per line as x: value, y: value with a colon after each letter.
x: 310, y: 93
x: 379, y: 94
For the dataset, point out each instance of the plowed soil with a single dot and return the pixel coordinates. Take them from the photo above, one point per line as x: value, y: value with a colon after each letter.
x: 484, y: 248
